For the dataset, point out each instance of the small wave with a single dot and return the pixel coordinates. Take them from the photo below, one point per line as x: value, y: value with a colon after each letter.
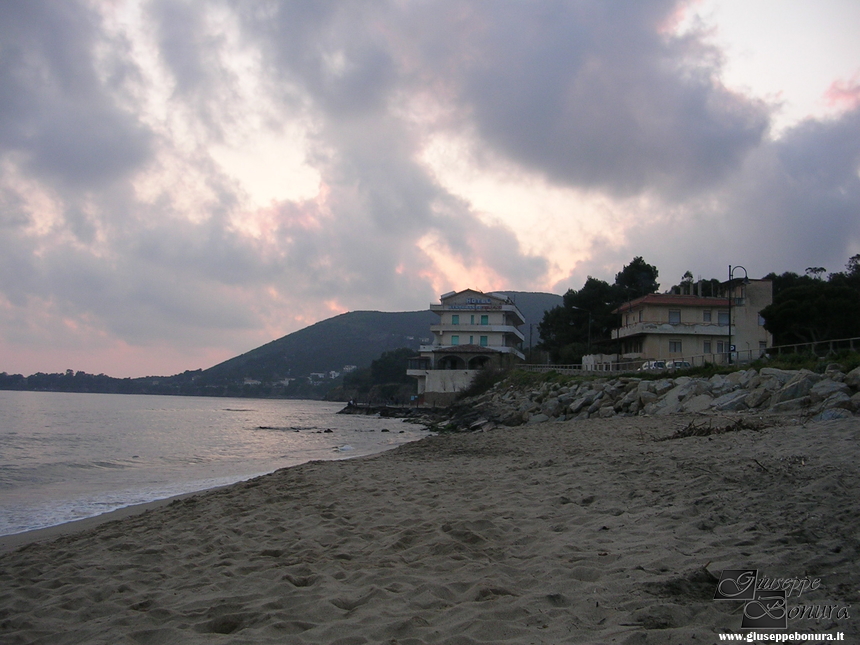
x: 108, y: 464
x: 344, y: 448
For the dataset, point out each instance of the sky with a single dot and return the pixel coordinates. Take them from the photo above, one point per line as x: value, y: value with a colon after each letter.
x: 181, y: 182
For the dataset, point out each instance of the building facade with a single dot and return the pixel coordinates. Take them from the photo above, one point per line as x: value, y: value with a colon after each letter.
x: 670, y: 327
x: 475, y: 331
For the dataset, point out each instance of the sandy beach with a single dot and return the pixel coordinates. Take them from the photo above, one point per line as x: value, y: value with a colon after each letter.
x: 590, y: 531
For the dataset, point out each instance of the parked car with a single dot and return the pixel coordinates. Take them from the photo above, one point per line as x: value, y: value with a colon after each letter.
x: 679, y: 365
x: 650, y: 366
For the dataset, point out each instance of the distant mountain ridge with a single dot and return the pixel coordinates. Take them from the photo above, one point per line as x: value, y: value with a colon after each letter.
x: 355, y: 338
x: 280, y: 368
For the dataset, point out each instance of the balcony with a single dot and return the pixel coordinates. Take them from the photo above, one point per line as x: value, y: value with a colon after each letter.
x: 477, y: 330
x: 439, y: 309
x: 680, y: 329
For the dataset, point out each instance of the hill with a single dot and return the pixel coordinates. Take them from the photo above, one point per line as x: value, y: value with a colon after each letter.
x: 280, y: 368
x: 353, y: 338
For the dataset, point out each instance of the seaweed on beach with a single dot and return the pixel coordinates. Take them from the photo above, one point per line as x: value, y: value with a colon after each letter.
x: 703, y: 429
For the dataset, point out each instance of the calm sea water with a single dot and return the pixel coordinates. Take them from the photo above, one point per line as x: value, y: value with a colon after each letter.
x: 65, y: 457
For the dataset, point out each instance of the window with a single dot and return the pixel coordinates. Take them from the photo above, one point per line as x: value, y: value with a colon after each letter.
x: 721, y: 347
x: 455, y: 340
x: 484, y: 341
x: 455, y: 319
x: 706, y: 347
x: 472, y: 319
x: 674, y: 346
x: 723, y: 318
x: 674, y: 317
x: 640, y: 315
x: 485, y: 320
x: 760, y: 320
x: 471, y: 340
x: 706, y: 315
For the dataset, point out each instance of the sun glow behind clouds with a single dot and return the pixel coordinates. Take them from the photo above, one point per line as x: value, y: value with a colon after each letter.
x: 554, y: 222
x: 786, y: 52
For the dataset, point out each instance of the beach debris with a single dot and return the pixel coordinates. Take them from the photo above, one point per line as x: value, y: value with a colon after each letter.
x: 703, y: 429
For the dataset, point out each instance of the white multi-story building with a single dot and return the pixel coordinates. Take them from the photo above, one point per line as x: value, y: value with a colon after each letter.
x: 476, y: 330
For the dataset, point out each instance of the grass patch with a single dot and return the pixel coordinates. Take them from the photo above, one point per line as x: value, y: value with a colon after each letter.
x: 847, y: 359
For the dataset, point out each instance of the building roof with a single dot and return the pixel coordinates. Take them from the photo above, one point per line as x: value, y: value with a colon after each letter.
x: 671, y: 299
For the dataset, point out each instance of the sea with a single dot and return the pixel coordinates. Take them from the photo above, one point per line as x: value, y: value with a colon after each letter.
x: 65, y: 457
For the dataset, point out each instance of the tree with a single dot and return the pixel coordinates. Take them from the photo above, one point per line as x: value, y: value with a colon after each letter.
x: 638, y: 278
x: 813, y: 312
x: 584, y: 321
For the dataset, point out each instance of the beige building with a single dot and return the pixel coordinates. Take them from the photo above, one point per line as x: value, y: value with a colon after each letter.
x: 692, y: 328
x: 475, y: 331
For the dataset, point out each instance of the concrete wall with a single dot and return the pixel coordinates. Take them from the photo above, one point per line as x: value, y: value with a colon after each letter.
x: 442, y: 386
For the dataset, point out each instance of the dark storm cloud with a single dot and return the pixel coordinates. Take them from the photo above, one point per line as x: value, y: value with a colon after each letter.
x: 794, y: 203
x: 54, y: 109
x: 597, y: 95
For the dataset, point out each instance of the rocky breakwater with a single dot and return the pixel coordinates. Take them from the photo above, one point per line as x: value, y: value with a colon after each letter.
x: 831, y: 395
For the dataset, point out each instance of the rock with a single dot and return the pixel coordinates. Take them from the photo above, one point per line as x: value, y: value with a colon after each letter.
x: 832, y: 414
x: 662, y: 386
x: 852, y: 378
x: 698, y: 403
x: 824, y: 389
x: 646, y: 397
x: 738, y: 378
x: 783, y: 376
x: 797, y: 387
x: 792, y: 405
x: 606, y: 412
x: 758, y: 397
x: 646, y: 386
x: 838, y: 400
x: 537, y: 418
x: 730, y: 402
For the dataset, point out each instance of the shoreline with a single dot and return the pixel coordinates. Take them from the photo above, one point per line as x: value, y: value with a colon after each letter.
x: 15, y: 541
x: 565, y: 532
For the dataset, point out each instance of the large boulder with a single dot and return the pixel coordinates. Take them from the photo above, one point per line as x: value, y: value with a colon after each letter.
x: 758, y: 397
x: 799, y: 386
x: 783, y: 376
x: 731, y: 402
x: 698, y: 403
x: 792, y: 405
x: 826, y: 388
x: 832, y: 414
x: 852, y: 378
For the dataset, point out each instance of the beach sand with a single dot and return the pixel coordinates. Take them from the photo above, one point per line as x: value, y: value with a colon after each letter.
x: 575, y: 532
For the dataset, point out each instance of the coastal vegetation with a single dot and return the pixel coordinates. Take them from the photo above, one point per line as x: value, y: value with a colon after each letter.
x: 806, y: 308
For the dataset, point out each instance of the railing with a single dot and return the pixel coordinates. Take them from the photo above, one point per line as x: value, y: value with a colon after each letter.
x: 821, y: 349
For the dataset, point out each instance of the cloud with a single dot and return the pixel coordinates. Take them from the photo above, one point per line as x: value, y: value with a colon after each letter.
x: 129, y: 132
x: 596, y: 95
x: 55, y: 111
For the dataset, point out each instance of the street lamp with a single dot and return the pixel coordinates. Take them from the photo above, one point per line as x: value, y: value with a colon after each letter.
x: 745, y: 281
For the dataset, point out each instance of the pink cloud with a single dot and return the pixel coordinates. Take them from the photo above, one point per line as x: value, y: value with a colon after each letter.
x: 844, y: 95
